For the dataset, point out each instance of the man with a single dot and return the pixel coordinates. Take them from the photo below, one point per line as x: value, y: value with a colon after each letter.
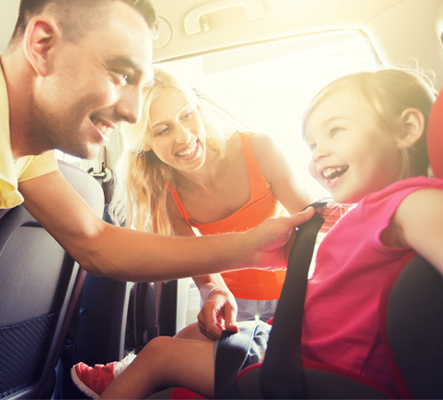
x: 72, y: 73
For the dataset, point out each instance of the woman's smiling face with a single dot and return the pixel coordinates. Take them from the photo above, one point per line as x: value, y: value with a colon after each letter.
x: 178, y: 135
x: 351, y: 155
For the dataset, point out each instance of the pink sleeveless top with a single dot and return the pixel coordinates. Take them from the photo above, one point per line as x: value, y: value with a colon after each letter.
x: 341, y: 324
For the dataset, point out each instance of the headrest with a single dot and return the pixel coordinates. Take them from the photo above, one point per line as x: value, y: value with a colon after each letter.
x: 435, y: 136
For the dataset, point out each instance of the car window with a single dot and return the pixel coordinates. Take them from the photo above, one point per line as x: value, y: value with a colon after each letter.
x: 68, y: 158
x: 267, y: 86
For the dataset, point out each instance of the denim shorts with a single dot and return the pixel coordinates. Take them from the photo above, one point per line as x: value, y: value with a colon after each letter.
x: 258, y: 346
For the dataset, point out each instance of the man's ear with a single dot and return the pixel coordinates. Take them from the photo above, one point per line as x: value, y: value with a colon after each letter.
x: 41, y: 36
x: 412, y: 126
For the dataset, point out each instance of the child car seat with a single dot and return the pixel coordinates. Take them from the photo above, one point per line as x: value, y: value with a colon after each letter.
x: 411, y: 321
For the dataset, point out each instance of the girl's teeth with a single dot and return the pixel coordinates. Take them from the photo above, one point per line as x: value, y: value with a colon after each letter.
x: 329, y: 172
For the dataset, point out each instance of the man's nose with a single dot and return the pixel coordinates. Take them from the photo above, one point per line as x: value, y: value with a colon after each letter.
x: 129, y: 104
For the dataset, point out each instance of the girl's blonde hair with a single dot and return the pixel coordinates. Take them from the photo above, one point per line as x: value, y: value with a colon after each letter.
x: 387, y: 93
x: 140, y: 194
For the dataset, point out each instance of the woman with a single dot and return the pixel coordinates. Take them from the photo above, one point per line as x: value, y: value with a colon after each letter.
x: 181, y: 175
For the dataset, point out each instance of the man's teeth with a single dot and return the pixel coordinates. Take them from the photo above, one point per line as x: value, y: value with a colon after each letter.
x: 189, y: 151
x: 330, y: 173
x: 106, y: 130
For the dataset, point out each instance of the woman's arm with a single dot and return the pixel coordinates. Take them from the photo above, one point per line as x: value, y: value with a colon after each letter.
x: 219, y: 309
x: 278, y: 173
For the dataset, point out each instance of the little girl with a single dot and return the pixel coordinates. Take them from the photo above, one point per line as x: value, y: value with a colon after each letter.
x: 367, y: 136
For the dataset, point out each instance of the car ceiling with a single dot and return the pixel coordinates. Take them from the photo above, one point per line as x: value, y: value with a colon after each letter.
x: 401, y: 31
x: 397, y: 29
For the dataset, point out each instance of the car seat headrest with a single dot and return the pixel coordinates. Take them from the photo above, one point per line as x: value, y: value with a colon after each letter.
x: 435, y: 136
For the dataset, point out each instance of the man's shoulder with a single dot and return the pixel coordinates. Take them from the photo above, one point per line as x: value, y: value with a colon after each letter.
x: 29, y: 167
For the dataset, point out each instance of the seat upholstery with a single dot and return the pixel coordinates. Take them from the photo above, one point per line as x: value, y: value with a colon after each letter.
x: 38, y: 280
x: 414, y: 329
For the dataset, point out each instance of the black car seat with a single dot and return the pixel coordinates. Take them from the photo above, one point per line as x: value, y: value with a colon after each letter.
x: 283, y: 375
x: 39, y: 285
x: 411, y: 323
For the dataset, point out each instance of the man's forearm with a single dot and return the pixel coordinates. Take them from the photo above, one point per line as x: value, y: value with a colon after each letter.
x: 129, y: 255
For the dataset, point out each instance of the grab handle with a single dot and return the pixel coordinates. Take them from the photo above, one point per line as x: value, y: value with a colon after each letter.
x: 254, y: 9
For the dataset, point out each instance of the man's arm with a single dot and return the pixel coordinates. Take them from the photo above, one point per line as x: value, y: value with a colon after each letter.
x: 125, y: 254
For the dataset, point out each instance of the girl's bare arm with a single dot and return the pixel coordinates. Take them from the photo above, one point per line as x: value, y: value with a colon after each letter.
x: 418, y: 223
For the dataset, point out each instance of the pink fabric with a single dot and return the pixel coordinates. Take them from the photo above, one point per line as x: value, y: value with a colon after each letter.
x: 341, y: 325
x: 182, y: 394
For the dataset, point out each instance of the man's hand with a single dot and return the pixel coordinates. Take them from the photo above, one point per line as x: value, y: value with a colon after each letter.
x: 219, y: 312
x: 271, y: 241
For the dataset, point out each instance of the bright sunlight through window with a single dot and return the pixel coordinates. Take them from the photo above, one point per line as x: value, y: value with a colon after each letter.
x: 268, y: 86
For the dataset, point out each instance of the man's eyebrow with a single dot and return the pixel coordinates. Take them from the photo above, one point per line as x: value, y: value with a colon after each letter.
x: 126, y: 62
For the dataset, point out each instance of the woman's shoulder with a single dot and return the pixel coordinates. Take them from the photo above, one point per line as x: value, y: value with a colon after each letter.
x: 265, y: 149
x: 261, y: 143
x: 234, y: 143
x: 261, y: 139
x: 263, y: 146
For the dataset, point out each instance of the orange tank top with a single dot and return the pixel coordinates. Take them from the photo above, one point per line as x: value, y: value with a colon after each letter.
x: 251, y: 283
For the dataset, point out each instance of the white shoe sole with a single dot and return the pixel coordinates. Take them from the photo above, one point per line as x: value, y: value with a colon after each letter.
x: 81, y: 386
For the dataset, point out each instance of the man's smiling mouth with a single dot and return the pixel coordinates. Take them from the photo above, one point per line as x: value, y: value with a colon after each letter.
x: 103, y: 129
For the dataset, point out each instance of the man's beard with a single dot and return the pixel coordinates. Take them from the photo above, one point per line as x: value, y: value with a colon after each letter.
x: 48, y: 132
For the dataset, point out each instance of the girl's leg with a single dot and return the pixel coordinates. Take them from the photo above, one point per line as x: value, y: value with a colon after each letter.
x: 192, y: 331
x: 166, y: 362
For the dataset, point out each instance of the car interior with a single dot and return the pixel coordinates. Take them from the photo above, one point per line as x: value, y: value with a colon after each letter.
x: 259, y: 62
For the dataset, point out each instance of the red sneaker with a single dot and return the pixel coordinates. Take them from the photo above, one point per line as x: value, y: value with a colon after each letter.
x: 93, y: 381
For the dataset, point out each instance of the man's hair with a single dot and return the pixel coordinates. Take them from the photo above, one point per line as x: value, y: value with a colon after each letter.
x: 77, y: 17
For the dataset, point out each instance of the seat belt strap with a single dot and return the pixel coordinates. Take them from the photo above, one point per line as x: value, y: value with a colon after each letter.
x: 232, y: 351
x: 281, y: 375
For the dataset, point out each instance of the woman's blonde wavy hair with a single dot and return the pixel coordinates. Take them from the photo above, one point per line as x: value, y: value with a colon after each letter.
x: 140, y: 194
x: 387, y: 93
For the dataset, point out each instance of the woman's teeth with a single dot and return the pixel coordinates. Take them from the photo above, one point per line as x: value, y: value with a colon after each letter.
x: 190, y: 150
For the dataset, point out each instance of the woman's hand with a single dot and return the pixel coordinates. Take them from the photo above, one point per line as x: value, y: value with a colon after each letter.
x: 219, y: 312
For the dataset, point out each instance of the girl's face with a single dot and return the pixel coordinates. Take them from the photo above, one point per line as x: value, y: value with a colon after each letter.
x: 178, y: 136
x: 351, y: 155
